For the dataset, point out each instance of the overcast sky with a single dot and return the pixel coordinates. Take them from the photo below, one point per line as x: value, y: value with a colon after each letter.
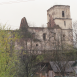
x: 35, y: 11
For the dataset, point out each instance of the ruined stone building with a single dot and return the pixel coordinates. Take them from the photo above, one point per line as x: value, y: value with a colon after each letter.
x: 56, y: 36
x: 59, y: 15
x: 57, y: 33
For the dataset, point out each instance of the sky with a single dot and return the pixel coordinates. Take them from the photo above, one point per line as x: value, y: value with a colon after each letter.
x: 35, y: 11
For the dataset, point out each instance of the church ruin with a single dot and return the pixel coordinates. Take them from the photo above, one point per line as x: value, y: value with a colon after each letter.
x: 57, y: 33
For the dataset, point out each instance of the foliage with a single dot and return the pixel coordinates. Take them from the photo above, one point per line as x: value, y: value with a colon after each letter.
x: 7, y: 52
x: 40, y: 58
x: 71, y: 54
x: 25, y: 33
x: 26, y: 67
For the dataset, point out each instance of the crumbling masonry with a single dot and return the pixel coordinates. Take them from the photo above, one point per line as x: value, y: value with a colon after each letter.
x: 57, y: 33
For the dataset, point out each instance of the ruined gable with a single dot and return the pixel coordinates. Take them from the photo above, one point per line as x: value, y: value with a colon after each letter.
x: 23, y: 23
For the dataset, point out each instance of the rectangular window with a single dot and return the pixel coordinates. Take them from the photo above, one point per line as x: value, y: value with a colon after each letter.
x: 62, y: 13
x: 44, y: 36
x: 64, y: 23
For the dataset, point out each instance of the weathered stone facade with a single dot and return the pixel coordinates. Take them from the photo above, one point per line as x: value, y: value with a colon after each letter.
x: 61, y: 16
x: 57, y: 33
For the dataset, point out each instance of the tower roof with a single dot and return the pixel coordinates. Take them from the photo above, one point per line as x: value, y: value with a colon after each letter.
x: 58, y: 6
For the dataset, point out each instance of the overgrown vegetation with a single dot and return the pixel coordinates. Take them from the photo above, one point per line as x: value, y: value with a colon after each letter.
x: 22, y: 63
x: 8, y: 56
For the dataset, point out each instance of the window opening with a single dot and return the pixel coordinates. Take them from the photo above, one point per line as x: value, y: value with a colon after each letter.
x: 36, y: 44
x: 49, y: 15
x: 63, y: 36
x: 65, y: 23
x: 62, y: 13
x: 44, y: 36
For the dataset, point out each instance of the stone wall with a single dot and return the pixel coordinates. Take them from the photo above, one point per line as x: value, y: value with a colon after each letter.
x: 60, y: 15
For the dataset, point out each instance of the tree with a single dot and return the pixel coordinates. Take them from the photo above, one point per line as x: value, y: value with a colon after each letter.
x: 75, y: 33
x: 27, y: 61
x: 8, y: 56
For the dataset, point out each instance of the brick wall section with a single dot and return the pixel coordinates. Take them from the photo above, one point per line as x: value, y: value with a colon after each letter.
x: 51, y: 22
x: 23, y: 23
